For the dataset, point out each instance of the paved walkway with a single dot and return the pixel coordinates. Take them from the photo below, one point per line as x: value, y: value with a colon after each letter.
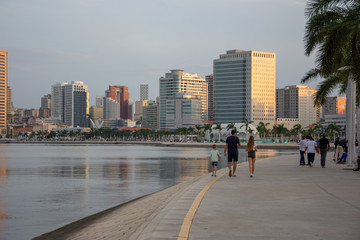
x: 283, y: 201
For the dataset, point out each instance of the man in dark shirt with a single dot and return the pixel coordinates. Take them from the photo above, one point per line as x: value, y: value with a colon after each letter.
x: 324, y: 147
x: 232, y: 144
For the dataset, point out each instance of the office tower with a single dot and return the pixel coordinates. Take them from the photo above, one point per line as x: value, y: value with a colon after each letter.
x: 99, y: 101
x: 297, y: 102
x: 139, y: 105
x: 70, y: 103
x: 57, y: 103
x: 111, y: 109
x: 130, y: 104
x: 46, y: 101
x: 334, y: 105
x: 244, y: 87
x: 144, y: 91
x: 121, y: 95
x: 177, y: 81
x: 9, y: 102
x: 76, y: 104
x: 210, y: 82
x: 3, y: 91
x: 150, y: 115
x: 185, y: 110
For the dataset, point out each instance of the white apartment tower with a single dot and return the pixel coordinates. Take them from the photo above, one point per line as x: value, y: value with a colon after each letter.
x: 144, y: 91
x: 177, y: 81
x: 244, y: 87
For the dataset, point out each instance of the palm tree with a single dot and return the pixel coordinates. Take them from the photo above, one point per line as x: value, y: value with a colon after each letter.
x: 199, y: 130
x: 318, y: 129
x: 296, y: 130
x: 262, y: 128
x: 208, y: 127
x: 281, y: 130
x: 230, y: 126
x: 218, y: 127
x: 332, y: 30
x: 332, y: 130
x: 246, y: 123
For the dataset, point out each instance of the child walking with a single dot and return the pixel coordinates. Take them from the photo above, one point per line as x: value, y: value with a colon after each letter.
x: 214, y: 159
x: 251, y: 148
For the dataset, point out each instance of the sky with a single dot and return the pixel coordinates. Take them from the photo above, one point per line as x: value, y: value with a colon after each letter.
x: 128, y: 42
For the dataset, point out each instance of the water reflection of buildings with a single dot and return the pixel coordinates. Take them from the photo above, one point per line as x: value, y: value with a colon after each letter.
x: 3, y: 178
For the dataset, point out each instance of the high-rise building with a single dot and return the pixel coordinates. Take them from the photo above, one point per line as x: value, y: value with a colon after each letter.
x: 177, y: 81
x: 111, y: 109
x: 244, y: 87
x: 139, y: 105
x: 297, y: 102
x: 57, y: 103
x: 76, y: 104
x: 46, y: 101
x: 9, y: 101
x: 150, y: 115
x: 70, y: 103
x: 210, y: 82
x: 3, y: 91
x: 130, y: 112
x: 334, y: 105
x: 121, y: 95
x: 144, y: 91
x: 99, y: 101
x: 185, y: 110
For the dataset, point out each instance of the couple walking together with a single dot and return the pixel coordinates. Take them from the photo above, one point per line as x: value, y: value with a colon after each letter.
x: 232, y: 144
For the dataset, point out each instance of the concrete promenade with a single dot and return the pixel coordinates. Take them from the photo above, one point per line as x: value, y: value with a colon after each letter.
x: 283, y: 201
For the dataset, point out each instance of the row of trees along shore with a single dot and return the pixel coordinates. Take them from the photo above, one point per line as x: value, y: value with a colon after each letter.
x: 196, y: 133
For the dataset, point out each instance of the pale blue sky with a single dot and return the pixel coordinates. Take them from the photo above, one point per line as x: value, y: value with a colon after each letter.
x: 120, y: 42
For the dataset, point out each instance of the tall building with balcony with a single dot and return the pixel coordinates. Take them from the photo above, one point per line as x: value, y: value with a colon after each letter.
x: 177, y: 81
x: 210, y: 82
x: 144, y: 91
x: 3, y: 91
x: 297, y: 102
x: 57, y: 103
x: 244, y: 87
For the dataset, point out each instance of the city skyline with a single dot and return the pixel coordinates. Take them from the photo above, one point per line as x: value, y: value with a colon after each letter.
x: 128, y: 43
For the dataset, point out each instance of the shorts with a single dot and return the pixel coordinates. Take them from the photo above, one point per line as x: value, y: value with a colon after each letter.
x: 233, y: 156
x: 214, y: 164
x: 251, y: 154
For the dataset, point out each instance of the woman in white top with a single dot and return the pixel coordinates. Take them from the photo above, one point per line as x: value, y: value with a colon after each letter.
x: 251, y: 148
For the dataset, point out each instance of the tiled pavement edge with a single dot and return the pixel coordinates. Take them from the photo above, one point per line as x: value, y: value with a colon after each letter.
x: 283, y: 201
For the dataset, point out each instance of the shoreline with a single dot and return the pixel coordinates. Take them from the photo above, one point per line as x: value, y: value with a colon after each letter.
x: 162, y: 144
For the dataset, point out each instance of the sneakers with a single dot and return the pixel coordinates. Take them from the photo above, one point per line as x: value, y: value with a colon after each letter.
x: 230, y: 173
x: 251, y: 175
x: 311, y: 164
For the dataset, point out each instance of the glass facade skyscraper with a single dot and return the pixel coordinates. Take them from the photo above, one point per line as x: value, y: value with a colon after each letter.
x: 244, y: 87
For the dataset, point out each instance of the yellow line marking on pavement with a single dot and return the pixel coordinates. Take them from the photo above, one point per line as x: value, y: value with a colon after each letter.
x: 186, y: 226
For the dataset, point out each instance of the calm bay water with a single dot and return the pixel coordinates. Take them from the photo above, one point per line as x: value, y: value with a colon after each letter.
x: 44, y: 187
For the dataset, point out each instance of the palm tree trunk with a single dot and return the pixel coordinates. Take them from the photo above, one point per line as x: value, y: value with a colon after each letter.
x: 350, y: 121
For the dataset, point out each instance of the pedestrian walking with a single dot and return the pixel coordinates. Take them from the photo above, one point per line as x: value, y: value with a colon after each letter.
x: 232, y: 144
x: 324, y: 146
x: 214, y: 159
x: 310, y: 149
x: 251, y: 148
x: 302, y: 146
